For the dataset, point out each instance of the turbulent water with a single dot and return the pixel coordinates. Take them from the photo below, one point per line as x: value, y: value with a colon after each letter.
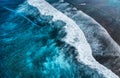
x: 104, y: 48
x: 106, y: 12
x: 38, y: 41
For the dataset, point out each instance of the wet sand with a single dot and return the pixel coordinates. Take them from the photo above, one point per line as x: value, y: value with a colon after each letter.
x: 104, y: 12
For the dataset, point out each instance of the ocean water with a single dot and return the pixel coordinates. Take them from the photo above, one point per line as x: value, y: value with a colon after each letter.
x: 28, y: 45
x: 31, y: 47
x: 12, y: 4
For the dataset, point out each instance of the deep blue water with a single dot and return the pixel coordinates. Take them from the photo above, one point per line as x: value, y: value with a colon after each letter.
x: 12, y: 4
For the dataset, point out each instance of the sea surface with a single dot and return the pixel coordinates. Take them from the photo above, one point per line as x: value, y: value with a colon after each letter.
x: 12, y: 4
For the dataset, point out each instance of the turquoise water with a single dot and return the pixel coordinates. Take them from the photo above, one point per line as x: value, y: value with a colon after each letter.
x: 31, y: 46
